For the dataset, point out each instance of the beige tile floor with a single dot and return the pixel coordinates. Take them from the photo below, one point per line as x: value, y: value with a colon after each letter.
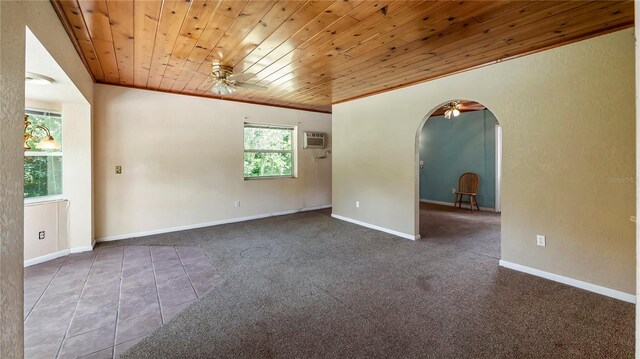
x: 99, y: 304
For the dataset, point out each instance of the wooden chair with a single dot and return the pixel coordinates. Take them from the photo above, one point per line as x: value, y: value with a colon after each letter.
x: 467, y: 186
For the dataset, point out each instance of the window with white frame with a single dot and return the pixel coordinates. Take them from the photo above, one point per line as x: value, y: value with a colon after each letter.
x: 269, y: 151
x: 43, y: 168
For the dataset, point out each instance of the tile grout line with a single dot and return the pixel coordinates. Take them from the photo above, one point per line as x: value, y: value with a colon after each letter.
x: 77, y: 303
x: 155, y: 282
x: 187, y: 273
x: 45, y: 289
x: 115, y: 331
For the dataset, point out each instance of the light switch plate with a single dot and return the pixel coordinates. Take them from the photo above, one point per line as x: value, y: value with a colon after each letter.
x: 541, y: 240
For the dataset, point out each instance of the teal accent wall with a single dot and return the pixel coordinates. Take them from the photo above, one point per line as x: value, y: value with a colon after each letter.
x: 450, y: 148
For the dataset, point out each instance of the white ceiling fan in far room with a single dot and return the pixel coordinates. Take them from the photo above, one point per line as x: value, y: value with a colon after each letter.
x: 452, y: 109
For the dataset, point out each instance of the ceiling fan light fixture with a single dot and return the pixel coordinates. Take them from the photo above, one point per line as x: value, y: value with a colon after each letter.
x: 452, y: 109
x: 226, y: 82
x: 447, y: 114
x: 222, y: 88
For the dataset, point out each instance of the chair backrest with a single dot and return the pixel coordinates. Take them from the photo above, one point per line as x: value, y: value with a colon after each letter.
x: 468, y: 182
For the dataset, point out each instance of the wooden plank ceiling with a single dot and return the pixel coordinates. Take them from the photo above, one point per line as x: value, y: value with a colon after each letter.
x: 311, y: 54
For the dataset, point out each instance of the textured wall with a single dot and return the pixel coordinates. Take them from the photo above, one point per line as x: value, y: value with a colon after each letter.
x: 12, y: 37
x: 182, y: 162
x: 637, y: 105
x: 450, y: 148
x: 568, y: 156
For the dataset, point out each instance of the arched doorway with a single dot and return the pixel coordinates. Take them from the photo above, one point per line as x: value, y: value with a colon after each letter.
x: 456, y: 137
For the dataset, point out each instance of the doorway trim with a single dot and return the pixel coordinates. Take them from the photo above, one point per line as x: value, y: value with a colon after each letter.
x: 498, y: 162
x: 498, y: 197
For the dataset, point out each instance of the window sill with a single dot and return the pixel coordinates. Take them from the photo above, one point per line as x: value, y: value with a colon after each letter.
x: 42, y: 153
x: 41, y: 200
x: 268, y: 178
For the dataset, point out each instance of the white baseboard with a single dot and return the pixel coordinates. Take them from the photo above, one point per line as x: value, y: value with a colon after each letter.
x: 207, y: 224
x: 82, y: 249
x: 378, y: 228
x: 62, y: 253
x: 46, y: 257
x: 450, y: 204
x: 572, y: 282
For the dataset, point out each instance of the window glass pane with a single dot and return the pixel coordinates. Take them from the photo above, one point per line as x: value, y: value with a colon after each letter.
x: 258, y: 164
x: 54, y: 124
x: 267, y: 139
x: 42, y: 176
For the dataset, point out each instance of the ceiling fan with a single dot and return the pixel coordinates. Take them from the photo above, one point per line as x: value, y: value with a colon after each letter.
x: 226, y: 82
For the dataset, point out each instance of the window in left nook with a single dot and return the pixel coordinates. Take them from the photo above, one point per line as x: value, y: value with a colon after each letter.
x: 42, y: 154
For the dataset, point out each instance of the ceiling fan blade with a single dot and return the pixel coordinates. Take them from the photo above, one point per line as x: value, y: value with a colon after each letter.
x: 241, y: 77
x: 250, y: 86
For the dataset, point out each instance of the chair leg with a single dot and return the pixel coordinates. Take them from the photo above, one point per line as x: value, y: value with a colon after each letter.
x: 476, y: 201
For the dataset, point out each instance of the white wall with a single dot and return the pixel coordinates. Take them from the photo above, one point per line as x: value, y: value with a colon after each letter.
x: 63, y: 96
x: 76, y: 230
x: 47, y: 215
x: 182, y: 162
x: 42, y: 105
x: 69, y: 70
x: 43, y: 22
x: 50, y: 217
x: 73, y: 217
x: 77, y: 174
x: 568, y: 156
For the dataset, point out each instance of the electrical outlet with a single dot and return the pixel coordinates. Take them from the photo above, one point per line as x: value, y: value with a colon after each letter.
x: 237, y: 203
x: 453, y: 190
x: 357, y: 204
x: 41, y: 235
x: 541, y: 240
x: 118, y: 170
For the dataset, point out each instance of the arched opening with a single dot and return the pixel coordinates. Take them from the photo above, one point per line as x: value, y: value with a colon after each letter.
x: 459, y: 137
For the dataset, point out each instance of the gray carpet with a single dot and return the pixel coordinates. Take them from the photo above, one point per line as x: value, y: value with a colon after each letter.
x: 307, y: 285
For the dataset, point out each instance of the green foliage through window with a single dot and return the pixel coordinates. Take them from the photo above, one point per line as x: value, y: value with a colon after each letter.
x: 268, y: 151
x: 42, y: 176
x: 43, y: 169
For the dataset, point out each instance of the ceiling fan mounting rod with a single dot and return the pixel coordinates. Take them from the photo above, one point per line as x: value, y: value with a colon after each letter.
x: 221, y: 71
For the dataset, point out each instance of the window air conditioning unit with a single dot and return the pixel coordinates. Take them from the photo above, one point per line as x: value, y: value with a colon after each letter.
x: 314, y: 139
